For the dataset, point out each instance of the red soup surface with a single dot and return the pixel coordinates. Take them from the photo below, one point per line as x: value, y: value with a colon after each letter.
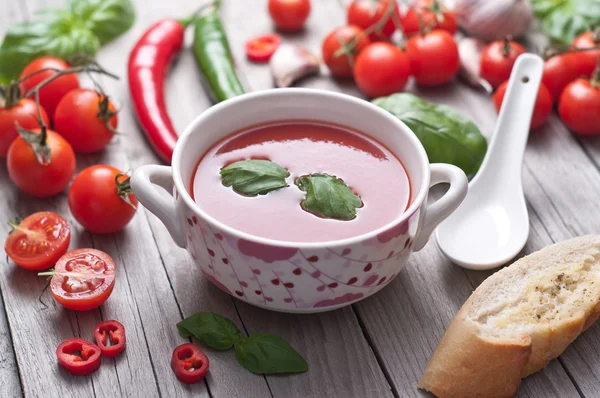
x: 366, y: 166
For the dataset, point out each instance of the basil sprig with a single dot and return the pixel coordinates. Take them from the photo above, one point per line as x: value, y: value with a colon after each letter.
x: 260, y: 353
x: 254, y: 177
x: 78, y: 29
x: 328, y: 196
x: 563, y: 20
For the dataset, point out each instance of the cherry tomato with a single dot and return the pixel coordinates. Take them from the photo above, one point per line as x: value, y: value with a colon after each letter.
x: 366, y: 13
x: 38, y: 241
x: 498, y: 59
x: 100, y: 199
x: 83, y: 118
x: 542, y: 109
x: 51, y: 94
x: 579, y: 106
x: 289, y: 15
x: 78, y: 357
x: 337, y: 61
x: 587, y: 59
x: 381, y: 69
x: 25, y: 113
x: 189, y: 363
x: 262, y: 48
x: 41, y: 177
x: 435, y: 15
x: 110, y: 338
x: 559, y: 71
x: 434, y: 58
x: 82, y: 279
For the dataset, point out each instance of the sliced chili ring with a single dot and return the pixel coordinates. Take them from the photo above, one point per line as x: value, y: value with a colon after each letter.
x: 111, y: 333
x: 261, y: 48
x: 189, y: 363
x: 78, y: 356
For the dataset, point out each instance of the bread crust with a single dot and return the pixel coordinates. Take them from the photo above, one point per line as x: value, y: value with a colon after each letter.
x: 472, y: 362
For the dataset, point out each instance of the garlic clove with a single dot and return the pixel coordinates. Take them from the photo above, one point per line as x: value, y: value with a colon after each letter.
x: 470, y: 50
x: 291, y: 63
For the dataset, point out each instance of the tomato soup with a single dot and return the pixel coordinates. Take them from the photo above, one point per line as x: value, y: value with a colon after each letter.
x: 367, y: 167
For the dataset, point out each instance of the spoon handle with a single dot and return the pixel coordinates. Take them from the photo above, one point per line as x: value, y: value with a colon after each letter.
x: 507, y: 147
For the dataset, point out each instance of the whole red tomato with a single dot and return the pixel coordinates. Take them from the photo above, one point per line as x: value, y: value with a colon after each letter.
x: 435, y: 16
x: 559, y: 71
x: 498, y: 59
x: 381, y: 69
x: 289, y: 15
x: 587, y: 59
x: 579, y: 106
x: 100, y: 199
x: 338, y: 62
x: 367, y: 13
x: 434, y: 58
x: 83, y: 118
x: 33, y: 172
x: 542, y: 109
x: 23, y: 112
x: 51, y: 94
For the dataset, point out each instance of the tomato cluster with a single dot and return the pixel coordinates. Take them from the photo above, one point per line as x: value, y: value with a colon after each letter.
x: 363, y: 49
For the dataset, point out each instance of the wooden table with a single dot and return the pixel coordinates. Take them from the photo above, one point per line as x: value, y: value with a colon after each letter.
x: 376, y: 348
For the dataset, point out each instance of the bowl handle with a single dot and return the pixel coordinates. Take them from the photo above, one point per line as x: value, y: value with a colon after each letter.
x: 438, y: 211
x: 144, y: 183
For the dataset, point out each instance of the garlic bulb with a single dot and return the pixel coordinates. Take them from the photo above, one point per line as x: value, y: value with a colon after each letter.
x: 493, y: 19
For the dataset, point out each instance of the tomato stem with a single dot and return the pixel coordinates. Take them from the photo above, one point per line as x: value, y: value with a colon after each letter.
x: 596, y: 35
x: 595, y: 80
x: 506, y: 47
x: 104, y: 112
x: 437, y: 10
x: 124, y: 188
x: 11, y: 94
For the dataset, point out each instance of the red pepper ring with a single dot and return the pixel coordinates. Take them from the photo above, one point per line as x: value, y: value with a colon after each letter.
x: 111, y: 332
x: 261, y: 48
x: 78, y: 356
x: 189, y: 363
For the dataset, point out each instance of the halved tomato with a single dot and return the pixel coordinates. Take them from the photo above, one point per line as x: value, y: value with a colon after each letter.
x: 83, y: 279
x: 38, y: 241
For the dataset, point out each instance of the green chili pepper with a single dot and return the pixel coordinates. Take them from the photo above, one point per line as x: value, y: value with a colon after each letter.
x: 213, y: 56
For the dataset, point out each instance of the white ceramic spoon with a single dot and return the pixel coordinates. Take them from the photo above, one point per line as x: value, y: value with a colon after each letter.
x: 491, y: 226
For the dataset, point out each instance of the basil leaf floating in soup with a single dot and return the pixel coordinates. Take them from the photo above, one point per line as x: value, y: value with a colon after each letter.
x: 328, y: 197
x: 446, y: 135
x: 254, y: 177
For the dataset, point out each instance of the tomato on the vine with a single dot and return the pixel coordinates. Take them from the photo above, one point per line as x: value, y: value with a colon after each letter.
x: 337, y: 60
x: 542, y: 109
x: 100, y: 199
x: 51, y: 94
x: 381, y: 69
x: 40, y: 164
x: 82, y: 279
x: 559, y: 71
x: 38, y: 241
x: 289, y: 15
x: 587, y: 59
x: 434, y: 58
x: 498, y: 59
x: 367, y: 13
x: 434, y: 14
x: 579, y: 105
x: 86, y: 119
x: 25, y: 113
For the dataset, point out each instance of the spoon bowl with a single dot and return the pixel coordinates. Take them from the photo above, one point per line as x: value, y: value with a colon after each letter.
x: 491, y: 226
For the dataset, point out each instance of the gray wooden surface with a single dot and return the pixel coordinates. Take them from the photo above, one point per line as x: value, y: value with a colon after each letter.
x: 376, y: 348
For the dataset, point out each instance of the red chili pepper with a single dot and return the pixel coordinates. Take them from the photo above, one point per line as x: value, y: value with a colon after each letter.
x: 261, y: 48
x: 148, y: 63
x: 78, y: 356
x: 189, y: 363
x: 111, y: 332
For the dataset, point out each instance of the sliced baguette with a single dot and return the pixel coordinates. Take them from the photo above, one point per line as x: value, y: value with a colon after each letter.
x: 517, y: 321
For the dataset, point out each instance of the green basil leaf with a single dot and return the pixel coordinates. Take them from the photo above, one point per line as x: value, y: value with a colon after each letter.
x: 563, y: 20
x: 216, y: 331
x: 106, y: 19
x: 254, y: 177
x: 446, y: 135
x: 266, y: 353
x: 328, y: 196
